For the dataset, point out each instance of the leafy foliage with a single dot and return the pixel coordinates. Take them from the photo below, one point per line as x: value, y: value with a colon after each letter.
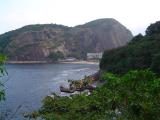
x: 56, y: 55
x: 155, y: 66
x: 140, y: 53
x: 153, y: 29
x: 2, y: 73
x: 133, y: 96
x: 87, y: 81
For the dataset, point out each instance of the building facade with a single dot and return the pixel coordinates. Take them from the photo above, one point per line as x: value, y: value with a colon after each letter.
x: 92, y: 56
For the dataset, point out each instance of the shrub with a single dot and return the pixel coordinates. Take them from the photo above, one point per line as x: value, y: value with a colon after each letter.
x: 55, y: 56
x: 2, y: 73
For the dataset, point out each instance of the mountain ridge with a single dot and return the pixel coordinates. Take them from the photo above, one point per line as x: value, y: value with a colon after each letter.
x: 37, y: 42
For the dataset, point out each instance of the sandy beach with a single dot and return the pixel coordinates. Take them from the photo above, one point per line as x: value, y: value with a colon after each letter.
x: 25, y: 62
x: 81, y: 62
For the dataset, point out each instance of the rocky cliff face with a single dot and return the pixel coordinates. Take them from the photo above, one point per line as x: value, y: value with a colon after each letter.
x: 37, y: 42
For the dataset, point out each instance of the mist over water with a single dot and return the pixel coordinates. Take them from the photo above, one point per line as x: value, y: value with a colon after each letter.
x: 26, y: 85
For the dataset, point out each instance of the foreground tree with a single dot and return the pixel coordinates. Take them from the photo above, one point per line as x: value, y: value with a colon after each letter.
x: 153, y: 29
x: 2, y: 73
x: 141, y: 53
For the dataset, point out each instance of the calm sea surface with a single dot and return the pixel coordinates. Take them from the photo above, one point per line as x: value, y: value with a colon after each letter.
x: 26, y: 85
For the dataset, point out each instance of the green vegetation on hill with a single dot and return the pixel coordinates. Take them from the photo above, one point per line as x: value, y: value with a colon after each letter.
x: 141, y: 53
x: 153, y: 29
x: 55, y: 56
x: 7, y: 37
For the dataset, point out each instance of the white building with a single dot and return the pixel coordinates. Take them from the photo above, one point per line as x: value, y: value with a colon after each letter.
x: 94, y: 56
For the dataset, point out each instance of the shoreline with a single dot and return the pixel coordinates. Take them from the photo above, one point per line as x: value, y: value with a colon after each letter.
x: 25, y: 62
x: 59, y: 62
x: 80, y: 62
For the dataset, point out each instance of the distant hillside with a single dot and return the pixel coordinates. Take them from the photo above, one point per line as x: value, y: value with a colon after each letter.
x: 142, y: 52
x: 39, y: 42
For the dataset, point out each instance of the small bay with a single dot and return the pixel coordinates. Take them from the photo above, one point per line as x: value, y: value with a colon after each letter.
x: 27, y: 84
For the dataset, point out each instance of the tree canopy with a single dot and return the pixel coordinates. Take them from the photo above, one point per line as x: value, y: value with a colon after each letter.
x: 54, y: 56
x: 141, y: 53
x: 2, y: 73
x: 153, y: 29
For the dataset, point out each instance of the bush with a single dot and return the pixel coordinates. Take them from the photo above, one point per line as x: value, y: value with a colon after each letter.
x: 55, y: 56
x: 155, y: 66
x: 2, y: 73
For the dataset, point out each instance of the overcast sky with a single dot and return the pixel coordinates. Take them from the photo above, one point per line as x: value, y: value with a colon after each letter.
x: 136, y: 15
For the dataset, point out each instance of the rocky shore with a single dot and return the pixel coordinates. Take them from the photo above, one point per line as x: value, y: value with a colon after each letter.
x: 87, y: 83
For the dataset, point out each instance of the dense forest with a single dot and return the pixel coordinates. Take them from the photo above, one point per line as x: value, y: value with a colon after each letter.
x: 130, y: 91
x: 142, y: 52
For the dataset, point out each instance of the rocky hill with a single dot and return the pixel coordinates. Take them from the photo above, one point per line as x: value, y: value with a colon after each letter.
x: 38, y: 42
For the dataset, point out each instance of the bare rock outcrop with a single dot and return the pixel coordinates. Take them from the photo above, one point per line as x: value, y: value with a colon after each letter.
x: 37, y: 42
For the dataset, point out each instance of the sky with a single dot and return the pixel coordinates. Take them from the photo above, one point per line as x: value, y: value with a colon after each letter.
x: 136, y: 15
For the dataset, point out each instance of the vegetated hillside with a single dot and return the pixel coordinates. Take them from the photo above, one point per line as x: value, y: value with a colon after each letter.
x: 38, y: 42
x: 142, y: 52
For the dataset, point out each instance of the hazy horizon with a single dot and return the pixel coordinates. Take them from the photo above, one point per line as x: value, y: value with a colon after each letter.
x: 135, y: 15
